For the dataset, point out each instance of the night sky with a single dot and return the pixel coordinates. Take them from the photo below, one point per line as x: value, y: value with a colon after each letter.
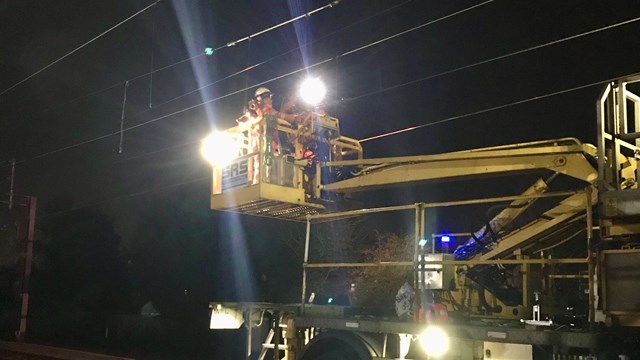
x: 67, y: 104
x: 62, y: 125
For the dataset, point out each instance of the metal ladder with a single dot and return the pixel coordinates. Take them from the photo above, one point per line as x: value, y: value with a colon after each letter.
x: 275, y: 338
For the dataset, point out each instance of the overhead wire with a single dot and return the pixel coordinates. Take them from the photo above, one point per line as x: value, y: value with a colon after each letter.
x: 418, y: 27
x: 251, y: 67
x: 465, y: 67
x: 404, y: 130
x: 494, y: 108
x: 388, y: 134
x: 242, y: 89
x: 229, y: 44
x: 518, y: 52
x: 78, y: 48
x: 539, y: 97
x: 246, y: 70
x: 486, y: 61
x: 522, y: 101
x: 181, y: 183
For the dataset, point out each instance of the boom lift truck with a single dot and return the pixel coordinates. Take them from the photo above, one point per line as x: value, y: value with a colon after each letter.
x: 497, y: 284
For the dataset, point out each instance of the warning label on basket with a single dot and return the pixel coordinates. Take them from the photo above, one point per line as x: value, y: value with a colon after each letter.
x: 235, y: 175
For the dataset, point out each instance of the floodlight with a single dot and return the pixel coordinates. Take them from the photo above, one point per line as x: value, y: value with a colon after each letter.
x: 220, y: 148
x: 434, y: 341
x: 312, y: 91
x: 445, y: 239
x: 225, y: 318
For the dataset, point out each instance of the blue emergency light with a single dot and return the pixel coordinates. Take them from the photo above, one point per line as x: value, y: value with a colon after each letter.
x: 445, y: 239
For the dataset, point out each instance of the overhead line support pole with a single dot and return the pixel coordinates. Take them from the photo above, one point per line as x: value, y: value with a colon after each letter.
x: 304, y: 263
x: 418, y: 297
x: 13, y: 175
x: 590, y: 257
x: 24, y: 308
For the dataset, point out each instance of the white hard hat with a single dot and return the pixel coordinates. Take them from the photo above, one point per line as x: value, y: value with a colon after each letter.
x: 262, y: 91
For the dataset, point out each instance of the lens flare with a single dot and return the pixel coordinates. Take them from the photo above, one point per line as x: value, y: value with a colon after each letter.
x: 434, y: 341
x: 312, y: 91
x: 220, y: 148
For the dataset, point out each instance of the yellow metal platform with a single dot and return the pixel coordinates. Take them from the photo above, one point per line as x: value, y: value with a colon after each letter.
x: 268, y: 200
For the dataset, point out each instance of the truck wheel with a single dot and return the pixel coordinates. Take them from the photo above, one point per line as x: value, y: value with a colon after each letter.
x: 339, y: 345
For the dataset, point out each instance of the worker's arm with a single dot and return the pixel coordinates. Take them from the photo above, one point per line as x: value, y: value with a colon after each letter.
x: 290, y: 118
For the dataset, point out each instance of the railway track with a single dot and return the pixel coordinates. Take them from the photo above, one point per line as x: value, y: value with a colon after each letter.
x: 24, y: 351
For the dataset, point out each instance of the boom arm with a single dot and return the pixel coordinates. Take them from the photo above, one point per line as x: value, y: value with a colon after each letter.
x: 570, y: 160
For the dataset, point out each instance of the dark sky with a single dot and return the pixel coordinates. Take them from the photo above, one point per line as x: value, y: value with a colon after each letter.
x: 52, y: 111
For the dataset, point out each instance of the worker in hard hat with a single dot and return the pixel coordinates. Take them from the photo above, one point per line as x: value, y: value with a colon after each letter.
x: 277, y: 170
x: 264, y: 99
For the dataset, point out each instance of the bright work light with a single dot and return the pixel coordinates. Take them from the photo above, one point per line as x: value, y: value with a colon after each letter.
x: 220, y: 148
x: 225, y: 318
x: 312, y: 91
x: 434, y: 341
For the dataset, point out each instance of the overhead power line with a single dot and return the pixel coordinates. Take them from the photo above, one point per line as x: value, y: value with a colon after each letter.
x: 482, y: 111
x: 501, y: 57
x: 383, y: 90
x: 494, y: 108
x: 418, y: 27
x: 234, y: 43
x: 244, y: 89
x: 213, y: 50
x: 78, y: 48
x: 441, y: 121
x: 248, y: 68
x: 518, y: 52
x: 251, y: 67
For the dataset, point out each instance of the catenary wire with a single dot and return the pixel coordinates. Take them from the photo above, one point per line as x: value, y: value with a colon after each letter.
x: 383, y: 90
x: 498, y: 107
x: 229, y: 94
x: 436, y: 122
x: 177, y: 97
x: 251, y: 67
x: 165, y: 116
x: 518, y: 52
x: 540, y: 97
x: 78, y: 48
x: 418, y: 27
x: 153, y: 71
x: 207, y: 178
x: 482, y: 62
x: 371, y: 93
x: 181, y: 183
x: 305, y: 15
x: 248, y: 68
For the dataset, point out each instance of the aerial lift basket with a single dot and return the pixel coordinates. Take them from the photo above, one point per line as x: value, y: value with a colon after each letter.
x: 274, y: 174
